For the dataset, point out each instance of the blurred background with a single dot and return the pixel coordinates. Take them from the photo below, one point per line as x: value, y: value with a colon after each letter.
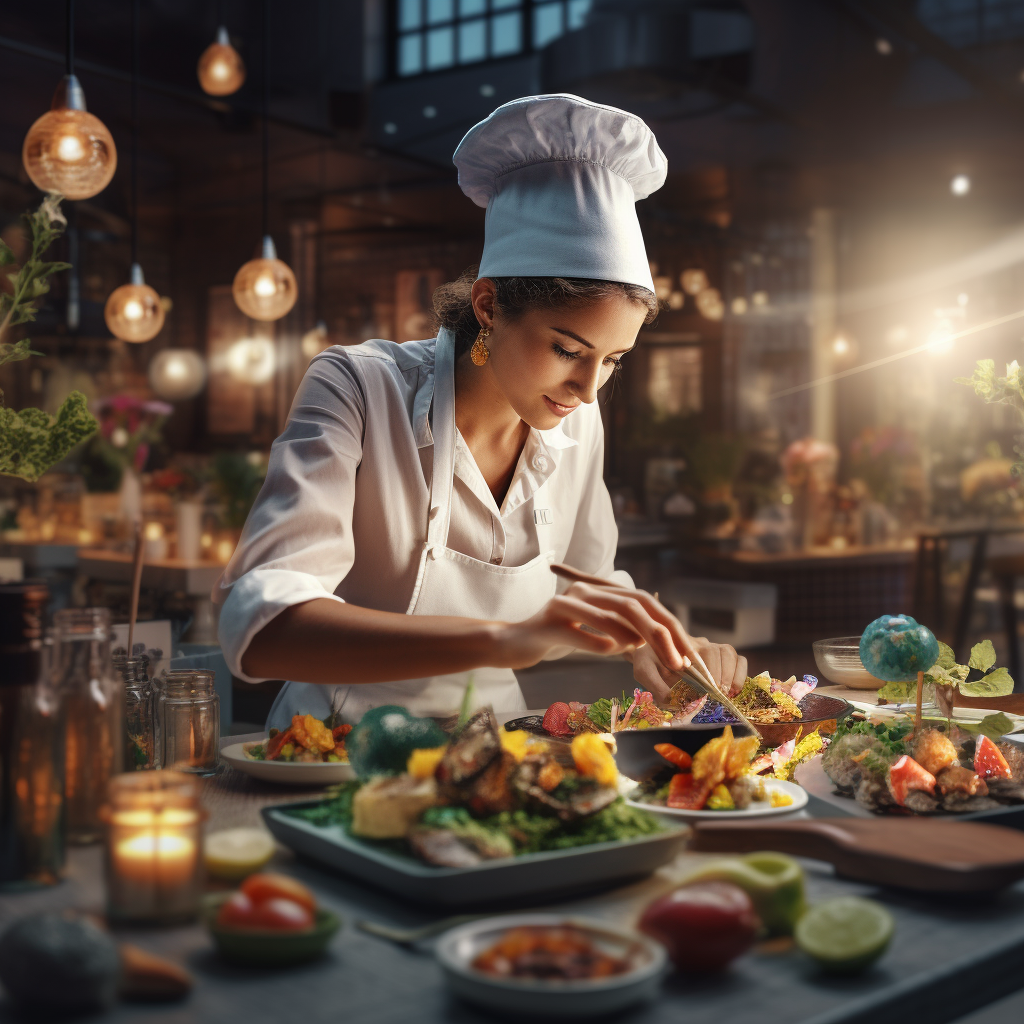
x: 843, y: 207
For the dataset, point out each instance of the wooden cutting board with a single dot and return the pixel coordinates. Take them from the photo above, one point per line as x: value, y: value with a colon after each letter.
x: 928, y: 854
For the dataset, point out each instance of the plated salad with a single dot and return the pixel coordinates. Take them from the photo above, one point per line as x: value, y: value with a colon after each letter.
x: 307, y: 739
x: 483, y: 793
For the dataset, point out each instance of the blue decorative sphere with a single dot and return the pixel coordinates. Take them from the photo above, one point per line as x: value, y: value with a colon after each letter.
x: 895, y: 648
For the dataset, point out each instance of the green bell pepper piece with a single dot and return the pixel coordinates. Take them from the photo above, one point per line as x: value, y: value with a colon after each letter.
x: 773, y: 881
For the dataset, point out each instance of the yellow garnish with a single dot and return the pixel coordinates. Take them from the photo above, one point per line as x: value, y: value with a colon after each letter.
x: 423, y: 763
x: 312, y: 733
x: 593, y: 759
x: 720, y: 799
x: 518, y: 742
x: 779, y: 799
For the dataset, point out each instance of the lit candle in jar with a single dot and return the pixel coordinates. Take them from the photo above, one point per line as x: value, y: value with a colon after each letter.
x: 154, y: 850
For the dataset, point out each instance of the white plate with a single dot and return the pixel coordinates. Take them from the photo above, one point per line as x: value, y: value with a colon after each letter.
x: 288, y: 773
x: 758, y: 809
x: 459, y: 948
x: 931, y: 711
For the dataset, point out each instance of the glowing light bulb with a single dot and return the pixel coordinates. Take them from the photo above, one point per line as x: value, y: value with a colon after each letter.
x: 960, y: 185
x: 883, y: 46
x: 265, y: 288
x: 739, y: 305
x: 134, y: 311
x: 841, y: 346
x: 221, y: 70
x: 315, y: 340
x: 676, y: 300
x: 68, y: 150
x: 694, y: 281
x: 759, y: 299
x: 252, y: 360
x: 177, y: 373
x: 663, y: 288
x: 710, y: 304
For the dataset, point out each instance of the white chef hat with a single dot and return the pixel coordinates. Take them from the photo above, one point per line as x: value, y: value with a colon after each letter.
x: 560, y: 177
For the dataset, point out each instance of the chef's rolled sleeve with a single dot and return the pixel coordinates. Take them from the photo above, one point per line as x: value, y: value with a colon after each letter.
x: 297, y: 543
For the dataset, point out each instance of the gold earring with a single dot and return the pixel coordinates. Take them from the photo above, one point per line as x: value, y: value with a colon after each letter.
x: 479, y: 352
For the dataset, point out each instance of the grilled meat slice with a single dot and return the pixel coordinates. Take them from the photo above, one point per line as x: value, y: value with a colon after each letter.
x: 577, y: 797
x: 442, y: 847
x: 873, y: 793
x: 838, y: 761
x: 920, y: 802
x: 959, y: 802
x: 1014, y: 758
x: 490, y: 792
x: 934, y: 751
x: 1007, y: 791
x: 956, y: 779
x: 471, y: 751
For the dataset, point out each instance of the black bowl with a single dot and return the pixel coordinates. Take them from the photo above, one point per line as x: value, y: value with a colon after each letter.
x: 637, y: 759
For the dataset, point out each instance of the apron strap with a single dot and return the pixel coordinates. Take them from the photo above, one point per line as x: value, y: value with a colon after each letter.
x: 443, y: 472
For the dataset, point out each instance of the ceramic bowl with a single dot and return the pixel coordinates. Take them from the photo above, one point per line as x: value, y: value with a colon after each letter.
x: 254, y: 947
x: 457, y: 949
x: 838, y: 660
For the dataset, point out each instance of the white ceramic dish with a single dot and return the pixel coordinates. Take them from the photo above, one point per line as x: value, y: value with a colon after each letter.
x: 457, y: 949
x: 287, y: 773
x: 931, y: 711
x: 758, y: 809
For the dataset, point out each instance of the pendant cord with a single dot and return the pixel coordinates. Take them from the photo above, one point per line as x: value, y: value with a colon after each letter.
x: 266, y: 118
x: 69, y: 48
x: 135, y: 132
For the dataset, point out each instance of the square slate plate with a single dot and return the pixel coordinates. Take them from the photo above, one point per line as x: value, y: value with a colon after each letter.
x: 561, y: 872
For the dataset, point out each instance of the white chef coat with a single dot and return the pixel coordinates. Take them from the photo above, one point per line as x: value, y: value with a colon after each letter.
x: 342, y: 511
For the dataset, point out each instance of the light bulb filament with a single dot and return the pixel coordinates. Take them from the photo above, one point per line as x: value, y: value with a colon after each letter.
x: 133, y: 309
x: 70, y: 148
x: 264, y: 286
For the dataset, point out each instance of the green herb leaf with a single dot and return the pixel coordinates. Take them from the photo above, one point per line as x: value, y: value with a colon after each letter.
x: 998, y: 683
x: 31, y: 441
x: 992, y: 726
x: 899, y: 693
x: 947, y: 658
x: 983, y: 656
x: 6, y: 254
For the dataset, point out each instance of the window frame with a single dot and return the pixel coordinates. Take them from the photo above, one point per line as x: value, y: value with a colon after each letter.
x: 527, y: 8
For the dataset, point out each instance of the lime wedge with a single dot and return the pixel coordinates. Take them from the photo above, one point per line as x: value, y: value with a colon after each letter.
x: 237, y: 852
x: 845, y: 935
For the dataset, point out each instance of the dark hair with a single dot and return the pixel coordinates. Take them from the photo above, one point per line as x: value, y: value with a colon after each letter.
x: 515, y: 296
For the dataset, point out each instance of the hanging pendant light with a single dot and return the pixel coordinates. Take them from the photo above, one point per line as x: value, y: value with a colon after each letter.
x: 221, y: 69
x: 68, y: 150
x: 265, y: 288
x: 134, y: 311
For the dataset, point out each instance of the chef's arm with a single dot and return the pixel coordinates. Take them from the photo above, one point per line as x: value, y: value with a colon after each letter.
x: 334, y: 642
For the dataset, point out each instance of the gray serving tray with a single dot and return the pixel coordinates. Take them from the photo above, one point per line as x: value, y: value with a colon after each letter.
x: 554, y: 873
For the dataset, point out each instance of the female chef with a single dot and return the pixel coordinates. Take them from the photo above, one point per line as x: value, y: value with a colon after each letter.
x: 419, y: 494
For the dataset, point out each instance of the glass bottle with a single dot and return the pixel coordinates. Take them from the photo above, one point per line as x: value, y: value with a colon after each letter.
x: 93, y: 699
x: 31, y: 743
x: 190, y: 722
x: 140, y: 751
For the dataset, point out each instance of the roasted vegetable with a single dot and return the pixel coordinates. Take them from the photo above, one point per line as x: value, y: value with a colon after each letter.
x: 680, y: 758
x: 989, y: 762
x: 905, y: 776
x: 594, y: 760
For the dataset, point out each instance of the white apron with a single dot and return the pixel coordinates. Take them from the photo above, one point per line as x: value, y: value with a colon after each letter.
x: 447, y: 583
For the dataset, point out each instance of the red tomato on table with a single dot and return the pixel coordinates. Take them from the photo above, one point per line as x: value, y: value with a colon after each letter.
x: 268, y: 885
x: 236, y: 911
x: 282, y: 915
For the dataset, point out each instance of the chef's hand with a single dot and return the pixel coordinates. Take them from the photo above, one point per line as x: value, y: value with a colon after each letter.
x: 603, y: 619
x: 727, y: 668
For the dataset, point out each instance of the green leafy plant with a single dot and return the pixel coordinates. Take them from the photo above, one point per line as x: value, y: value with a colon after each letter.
x: 996, y: 390
x: 31, y: 441
x: 949, y: 679
x: 237, y: 480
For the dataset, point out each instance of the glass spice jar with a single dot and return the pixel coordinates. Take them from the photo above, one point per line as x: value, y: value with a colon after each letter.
x: 31, y: 744
x: 140, y: 749
x: 190, y: 722
x: 93, y: 699
x: 154, y: 856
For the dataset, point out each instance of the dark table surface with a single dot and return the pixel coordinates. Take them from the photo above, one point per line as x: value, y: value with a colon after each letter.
x: 948, y: 958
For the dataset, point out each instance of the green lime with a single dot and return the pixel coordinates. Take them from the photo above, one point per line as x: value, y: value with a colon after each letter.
x: 845, y: 935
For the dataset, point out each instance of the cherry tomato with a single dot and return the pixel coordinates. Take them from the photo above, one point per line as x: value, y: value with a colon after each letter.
x: 236, y: 911
x: 268, y: 885
x: 704, y: 926
x: 282, y: 915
